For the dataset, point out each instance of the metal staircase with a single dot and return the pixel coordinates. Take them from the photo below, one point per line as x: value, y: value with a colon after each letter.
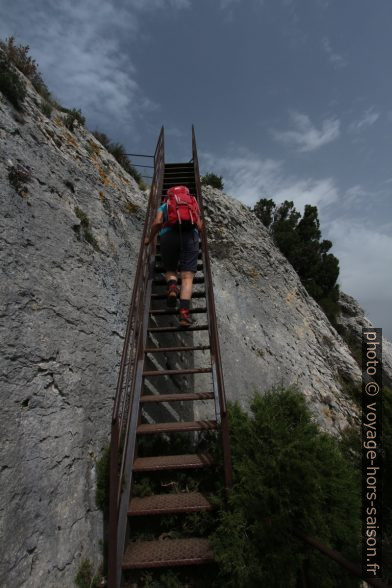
x: 159, y: 393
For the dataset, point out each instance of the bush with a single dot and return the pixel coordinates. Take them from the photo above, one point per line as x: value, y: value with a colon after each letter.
x: 19, y: 56
x: 85, y: 225
x: 74, y: 116
x: 18, y: 177
x: 102, y: 491
x: 46, y: 108
x: 288, y: 477
x: 85, y: 577
x: 213, y: 180
x: 11, y: 85
x: 119, y: 154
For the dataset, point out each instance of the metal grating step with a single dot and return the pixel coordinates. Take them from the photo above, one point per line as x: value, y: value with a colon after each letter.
x: 177, y: 329
x: 149, y: 373
x: 162, y: 281
x: 172, y: 462
x: 177, y: 397
x: 168, y: 504
x: 163, y: 296
x: 162, y: 311
x: 172, y: 552
x: 166, y: 349
x: 177, y: 427
x: 159, y: 269
x: 158, y: 256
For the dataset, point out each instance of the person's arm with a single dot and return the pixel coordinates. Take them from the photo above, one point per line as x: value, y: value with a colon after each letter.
x: 155, y: 228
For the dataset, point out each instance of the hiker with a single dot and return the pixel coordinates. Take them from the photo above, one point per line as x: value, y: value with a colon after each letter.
x: 178, y: 223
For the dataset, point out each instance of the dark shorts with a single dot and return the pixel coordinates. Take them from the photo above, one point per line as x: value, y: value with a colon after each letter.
x: 179, y: 251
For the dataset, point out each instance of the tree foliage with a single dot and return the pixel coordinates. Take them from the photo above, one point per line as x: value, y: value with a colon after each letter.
x: 210, y: 179
x: 288, y: 477
x: 299, y: 239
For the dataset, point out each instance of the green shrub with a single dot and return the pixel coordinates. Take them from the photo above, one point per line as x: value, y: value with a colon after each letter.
x: 85, y: 578
x: 11, y: 85
x: 103, y: 475
x: 18, y: 177
x: 74, y: 116
x: 120, y: 155
x: 213, y: 180
x: 19, y: 56
x: 85, y: 226
x: 288, y: 476
x: 46, y: 108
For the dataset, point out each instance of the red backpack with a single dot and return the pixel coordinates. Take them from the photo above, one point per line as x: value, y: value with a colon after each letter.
x: 182, y: 208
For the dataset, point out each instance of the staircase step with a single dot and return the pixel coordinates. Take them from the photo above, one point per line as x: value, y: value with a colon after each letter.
x: 171, y: 172
x: 163, y: 311
x: 177, y: 397
x: 162, y: 281
x: 167, y: 349
x: 159, y: 269
x: 172, y: 462
x: 158, y: 256
x: 177, y: 329
x: 170, y: 166
x: 168, y: 504
x: 181, y: 372
x: 176, y: 427
x: 171, y: 552
x: 156, y: 296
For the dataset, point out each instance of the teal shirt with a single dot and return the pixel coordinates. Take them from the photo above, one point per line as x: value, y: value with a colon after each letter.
x: 163, y: 208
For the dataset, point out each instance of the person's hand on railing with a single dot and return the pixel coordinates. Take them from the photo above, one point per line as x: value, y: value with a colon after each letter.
x: 146, y: 241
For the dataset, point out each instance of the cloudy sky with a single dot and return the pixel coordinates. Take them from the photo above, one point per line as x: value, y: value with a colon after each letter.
x: 291, y: 99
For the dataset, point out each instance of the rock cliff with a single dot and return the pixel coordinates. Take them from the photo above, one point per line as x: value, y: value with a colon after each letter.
x: 71, y: 222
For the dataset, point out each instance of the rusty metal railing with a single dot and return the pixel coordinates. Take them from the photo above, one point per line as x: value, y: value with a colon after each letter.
x: 129, y: 383
x: 334, y: 555
x: 216, y: 364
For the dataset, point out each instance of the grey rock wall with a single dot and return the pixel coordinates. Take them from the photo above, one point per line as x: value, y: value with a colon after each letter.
x: 65, y: 289
x: 71, y: 222
x: 352, y: 320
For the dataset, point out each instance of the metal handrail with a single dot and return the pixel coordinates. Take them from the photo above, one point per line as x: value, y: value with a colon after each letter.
x: 216, y: 363
x: 129, y: 383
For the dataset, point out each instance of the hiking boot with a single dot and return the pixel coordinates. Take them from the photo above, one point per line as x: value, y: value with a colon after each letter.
x: 172, y: 293
x: 184, y: 318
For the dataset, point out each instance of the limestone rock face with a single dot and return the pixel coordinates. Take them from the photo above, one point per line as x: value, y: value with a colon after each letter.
x: 272, y: 332
x: 71, y: 222
x: 352, y: 320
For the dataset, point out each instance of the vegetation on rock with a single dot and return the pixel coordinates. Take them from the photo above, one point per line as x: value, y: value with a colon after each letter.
x: 85, y: 578
x: 19, y: 56
x: 119, y: 154
x: 211, y: 179
x: 299, y: 240
x: 11, y: 85
x: 85, y: 225
x: 288, y: 477
x: 74, y: 116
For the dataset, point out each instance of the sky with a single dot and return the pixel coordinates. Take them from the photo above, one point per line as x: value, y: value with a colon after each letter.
x: 291, y: 100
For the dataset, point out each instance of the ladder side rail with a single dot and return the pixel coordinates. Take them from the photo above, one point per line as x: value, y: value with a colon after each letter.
x: 217, y: 372
x: 125, y: 389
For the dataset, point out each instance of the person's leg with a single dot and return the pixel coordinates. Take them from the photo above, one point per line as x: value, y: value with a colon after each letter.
x: 186, y: 285
x: 170, y: 256
x: 188, y: 267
